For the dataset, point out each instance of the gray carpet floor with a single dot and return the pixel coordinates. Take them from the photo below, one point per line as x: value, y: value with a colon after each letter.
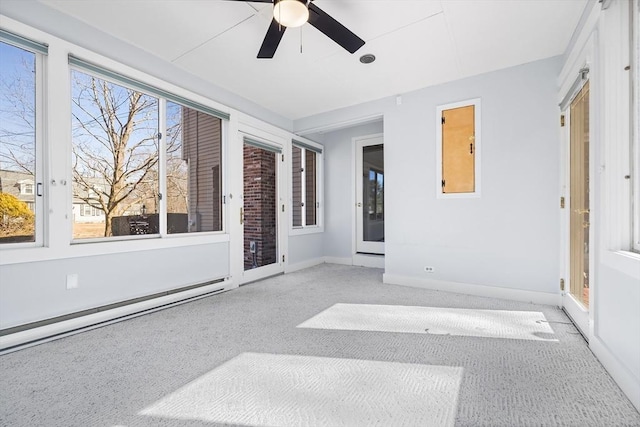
x: 136, y: 372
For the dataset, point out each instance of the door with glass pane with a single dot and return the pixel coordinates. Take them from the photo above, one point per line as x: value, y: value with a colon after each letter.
x: 576, y: 297
x: 370, y: 195
x: 261, y: 210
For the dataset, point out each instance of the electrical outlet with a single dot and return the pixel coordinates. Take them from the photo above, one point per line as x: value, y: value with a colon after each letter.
x: 429, y: 269
x: 72, y: 281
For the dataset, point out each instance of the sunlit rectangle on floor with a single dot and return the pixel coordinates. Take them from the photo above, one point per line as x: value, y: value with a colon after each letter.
x: 284, y: 390
x: 523, y: 325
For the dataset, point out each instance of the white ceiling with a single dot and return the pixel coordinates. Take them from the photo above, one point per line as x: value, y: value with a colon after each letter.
x: 417, y: 43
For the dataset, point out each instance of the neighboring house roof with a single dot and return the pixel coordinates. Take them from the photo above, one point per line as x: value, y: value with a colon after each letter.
x: 11, y: 182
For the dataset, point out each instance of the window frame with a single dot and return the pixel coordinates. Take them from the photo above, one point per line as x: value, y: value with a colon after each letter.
x: 634, y: 7
x: 305, y: 145
x: 40, y: 52
x: 224, y: 125
x: 163, y: 96
x: 477, y: 149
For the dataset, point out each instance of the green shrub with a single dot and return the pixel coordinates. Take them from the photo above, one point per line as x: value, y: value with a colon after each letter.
x: 16, y: 219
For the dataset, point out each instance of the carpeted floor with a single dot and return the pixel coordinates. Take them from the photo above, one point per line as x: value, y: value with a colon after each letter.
x: 257, y: 356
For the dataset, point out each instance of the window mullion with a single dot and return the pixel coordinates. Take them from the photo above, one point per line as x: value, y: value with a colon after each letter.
x: 39, y: 152
x: 303, y: 184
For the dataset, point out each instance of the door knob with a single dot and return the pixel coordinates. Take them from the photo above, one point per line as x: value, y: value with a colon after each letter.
x: 581, y: 211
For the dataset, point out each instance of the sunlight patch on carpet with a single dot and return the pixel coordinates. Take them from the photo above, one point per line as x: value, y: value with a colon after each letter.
x: 522, y: 325
x: 255, y: 389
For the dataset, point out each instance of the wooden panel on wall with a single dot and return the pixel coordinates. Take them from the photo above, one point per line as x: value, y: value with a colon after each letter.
x: 458, y: 150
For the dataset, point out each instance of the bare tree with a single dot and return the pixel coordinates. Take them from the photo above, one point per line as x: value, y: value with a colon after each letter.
x: 17, y: 113
x: 115, y: 145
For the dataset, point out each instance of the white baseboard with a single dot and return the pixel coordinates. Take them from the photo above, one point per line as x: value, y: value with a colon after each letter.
x: 479, y: 290
x: 304, y: 264
x: 361, y: 260
x: 372, y: 261
x: 627, y: 382
x: 337, y: 260
x: 53, y: 331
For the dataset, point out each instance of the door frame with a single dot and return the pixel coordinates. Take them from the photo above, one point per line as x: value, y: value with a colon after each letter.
x: 237, y: 229
x: 581, y: 316
x: 359, y: 246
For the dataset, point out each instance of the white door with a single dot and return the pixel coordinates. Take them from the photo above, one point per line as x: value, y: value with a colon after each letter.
x: 370, y: 195
x: 577, y: 292
x: 261, y: 212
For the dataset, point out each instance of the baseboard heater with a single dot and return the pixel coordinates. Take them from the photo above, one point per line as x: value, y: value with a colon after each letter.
x: 30, y: 334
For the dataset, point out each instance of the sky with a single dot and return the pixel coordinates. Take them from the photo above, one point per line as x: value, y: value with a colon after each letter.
x: 15, y: 134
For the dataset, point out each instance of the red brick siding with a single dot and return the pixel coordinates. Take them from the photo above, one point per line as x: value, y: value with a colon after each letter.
x: 259, y: 206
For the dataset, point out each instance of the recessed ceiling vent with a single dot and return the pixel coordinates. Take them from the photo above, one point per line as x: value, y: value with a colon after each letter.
x: 367, y: 58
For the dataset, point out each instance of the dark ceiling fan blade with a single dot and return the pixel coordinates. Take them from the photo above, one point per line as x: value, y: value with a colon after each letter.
x: 271, y: 40
x: 333, y: 29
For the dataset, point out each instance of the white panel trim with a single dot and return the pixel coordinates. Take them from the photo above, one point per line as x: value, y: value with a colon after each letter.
x: 625, y: 379
x: 545, y: 298
x: 91, y: 321
x: 332, y: 127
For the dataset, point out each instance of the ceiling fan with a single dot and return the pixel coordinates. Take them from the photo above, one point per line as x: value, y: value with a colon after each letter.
x: 295, y: 13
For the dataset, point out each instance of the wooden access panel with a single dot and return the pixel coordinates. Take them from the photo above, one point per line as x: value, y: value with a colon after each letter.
x: 579, y: 196
x: 458, y: 150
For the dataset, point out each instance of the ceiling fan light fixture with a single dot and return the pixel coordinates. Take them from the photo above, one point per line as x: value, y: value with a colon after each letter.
x: 291, y: 13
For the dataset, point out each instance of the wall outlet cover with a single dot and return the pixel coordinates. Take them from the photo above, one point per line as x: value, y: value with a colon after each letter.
x: 72, y: 281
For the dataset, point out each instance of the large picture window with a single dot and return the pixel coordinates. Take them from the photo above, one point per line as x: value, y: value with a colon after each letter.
x: 115, y: 153
x: 305, y: 160
x: 194, y: 170
x: 145, y: 161
x: 21, y: 186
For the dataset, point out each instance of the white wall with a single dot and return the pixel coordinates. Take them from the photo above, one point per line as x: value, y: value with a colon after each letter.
x: 37, y: 290
x: 305, y: 250
x: 507, y: 238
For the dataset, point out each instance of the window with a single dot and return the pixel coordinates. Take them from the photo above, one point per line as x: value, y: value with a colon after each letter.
x: 305, y: 160
x: 20, y: 139
x: 194, y: 173
x: 376, y: 196
x: 26, y: 188
x: 145, y: 161
x: 458, y: 149
x: 115, y: 147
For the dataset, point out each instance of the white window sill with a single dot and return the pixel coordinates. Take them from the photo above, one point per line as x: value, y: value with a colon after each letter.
x: 306, y: 230
x: 106, y: 247
x: 475, y: 195
x: 623, y: 261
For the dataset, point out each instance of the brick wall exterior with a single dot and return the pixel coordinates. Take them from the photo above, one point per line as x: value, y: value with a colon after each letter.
x: 259, y: 206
